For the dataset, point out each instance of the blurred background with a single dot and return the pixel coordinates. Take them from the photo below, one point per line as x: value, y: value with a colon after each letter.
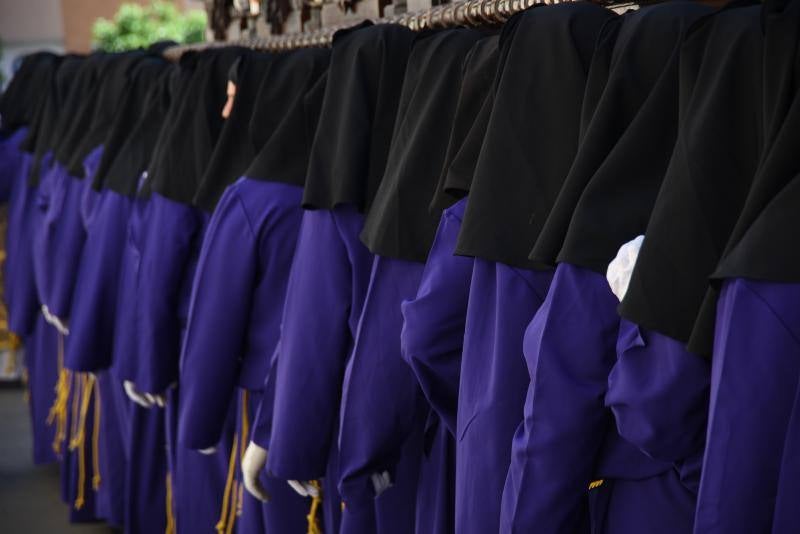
x: 85, y: 25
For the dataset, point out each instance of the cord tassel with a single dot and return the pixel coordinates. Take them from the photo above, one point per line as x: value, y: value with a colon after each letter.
x: 96, y: 438
x: 58, y: 411
x: 170, y: 515
x: 228, y: 487
x: 87, y: 383
x: 313, y: 520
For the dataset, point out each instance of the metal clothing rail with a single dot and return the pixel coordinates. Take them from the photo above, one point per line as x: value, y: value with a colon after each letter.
x: 471, y: 13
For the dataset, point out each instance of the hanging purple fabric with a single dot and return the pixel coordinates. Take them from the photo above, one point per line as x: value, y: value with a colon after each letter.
x: 754, y: 380
x: 377, y: 432
x: 234, y: 326
x: 567, y: 454
x: 491, y: 397
x: 310, y: 368
x: 432, y: 340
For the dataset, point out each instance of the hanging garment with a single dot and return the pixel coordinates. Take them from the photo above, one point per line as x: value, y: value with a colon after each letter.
x: 657, y: 390
x: 240, y: 283
x: 89, y: 346
x: 566, y: 458
x: 383, y: 411
x: 433, y: 320
x: 512, y: 181
x: 20, y: 294
x: 345, y: 170
x: 754, y: 374
x: 171, y: 236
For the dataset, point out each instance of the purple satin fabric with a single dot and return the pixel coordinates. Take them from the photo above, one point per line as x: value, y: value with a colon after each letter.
x: 40, y: 362
x: 59, y: 240
x: 432, y: 340
x: 435, y: 320
x: 754, y: 379
x: 286, y: 511
x: 330, y: 272
x: 383, y: 411
x: 92, y: 319
x: 236, y: 303
x: 171, y: 233
x: 491, y: 396
x: 19, y: 288
x: 567, y: 440
x: 658, y: 392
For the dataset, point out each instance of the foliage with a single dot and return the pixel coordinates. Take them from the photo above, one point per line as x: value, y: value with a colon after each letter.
x: 137, y: 26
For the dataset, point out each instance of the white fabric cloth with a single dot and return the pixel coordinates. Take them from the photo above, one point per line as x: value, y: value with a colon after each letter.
x: 621, y: 268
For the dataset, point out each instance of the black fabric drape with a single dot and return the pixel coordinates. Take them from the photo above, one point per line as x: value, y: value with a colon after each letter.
x: 533, y: 130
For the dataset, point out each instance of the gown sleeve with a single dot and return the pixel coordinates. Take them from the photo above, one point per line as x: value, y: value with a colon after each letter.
x: 569, y: 347
x: 170, y: 230
x: 90, y: 343
x: 216, y: 331
x: 659, y: 395
x: 315, y: 340
x: 434, y: 321
x: 382, y: 405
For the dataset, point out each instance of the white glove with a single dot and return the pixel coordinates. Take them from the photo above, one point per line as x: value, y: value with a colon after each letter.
x: 253, y: 461
x: 145, y: 400
x: 381, y: 482
x: 304, y: 489
x: 208, y: 451
x: 60, y: 325
x: 621, y: 268
x: 135, y: 396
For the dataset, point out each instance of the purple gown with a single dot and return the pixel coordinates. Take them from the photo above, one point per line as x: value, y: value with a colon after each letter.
x: 754, y: 379
x: 492, y: 388
x: 658, y: 392
x: 310, y: 368
x: 432, y: 340
x: 171, y: 236
x: 59, y: 235
x: 567, y: 459
x: 22, y: 302
x: 382, y: 411
x: 234, y: 326
x: 142, y: 430
x: 89, y: 347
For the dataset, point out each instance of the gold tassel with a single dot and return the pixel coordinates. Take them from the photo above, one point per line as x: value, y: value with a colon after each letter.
x: 243, y: 440
x: 313, y: 521
x: 96, y: 438
x: 75, y: 426
x: 228, y: 487
x: 170, y: 516
x: 87, y: 383
x: 234, y: 506
x: 58, y: 412
x: 596, y: 484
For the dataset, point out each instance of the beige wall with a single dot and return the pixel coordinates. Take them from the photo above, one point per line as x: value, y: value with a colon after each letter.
x: 30, y: 21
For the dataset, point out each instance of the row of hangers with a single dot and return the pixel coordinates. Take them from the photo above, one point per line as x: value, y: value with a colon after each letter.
x: 470, y: 13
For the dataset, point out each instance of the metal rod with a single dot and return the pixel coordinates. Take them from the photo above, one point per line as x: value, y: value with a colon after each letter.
x: 470, y: 13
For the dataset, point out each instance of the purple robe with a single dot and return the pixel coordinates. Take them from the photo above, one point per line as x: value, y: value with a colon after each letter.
x: 142, y: 430
x: 89, y: 346
x: 383, y: 410
x: 658, y: 393
x: 19, y: 291
x: 432, y: 341
x: 567, y: 443
x: 234, y: 326
x: 491, y: 396
x: 171, y: 235
x: 754, y: 379
x: 330, y: 272
x: 22, y: 302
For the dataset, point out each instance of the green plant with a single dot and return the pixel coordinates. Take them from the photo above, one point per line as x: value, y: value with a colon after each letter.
x: 136, y: 26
